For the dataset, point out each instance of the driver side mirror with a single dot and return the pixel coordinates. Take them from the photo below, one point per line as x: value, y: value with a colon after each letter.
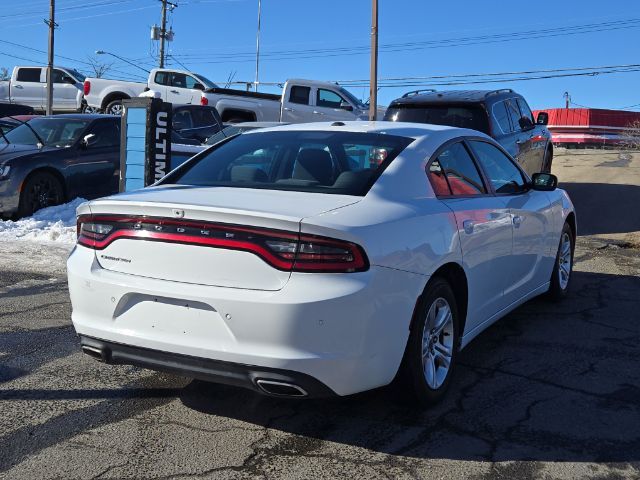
x: 525, y: 124
x: 88, y: 140
x: 198, y: 86
x: 543, y: 118
x: 544, y: 182
x: 346, y: 106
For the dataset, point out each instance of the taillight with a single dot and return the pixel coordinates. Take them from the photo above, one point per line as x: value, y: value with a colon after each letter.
x: 86, y: 88
x: 204, y: 101
x: 283, y: 250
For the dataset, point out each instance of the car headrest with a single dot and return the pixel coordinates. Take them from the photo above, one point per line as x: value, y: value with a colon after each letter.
x: 242, y: 173
x: 314, y: 164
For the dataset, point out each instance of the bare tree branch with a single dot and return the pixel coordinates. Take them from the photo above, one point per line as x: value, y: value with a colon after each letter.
x: 99, y: 68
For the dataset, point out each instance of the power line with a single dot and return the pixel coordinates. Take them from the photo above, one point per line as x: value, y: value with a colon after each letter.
x: 410, y: 46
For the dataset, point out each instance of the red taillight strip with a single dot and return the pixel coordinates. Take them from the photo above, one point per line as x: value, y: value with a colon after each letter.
x: 189, y: 240
x: 301, y: 262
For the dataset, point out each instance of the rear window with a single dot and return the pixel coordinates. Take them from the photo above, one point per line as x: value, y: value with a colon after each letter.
x: 465, y: 116
x: 343, y: 163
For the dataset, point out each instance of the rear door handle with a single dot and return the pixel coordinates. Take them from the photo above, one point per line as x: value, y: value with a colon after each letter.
x: 517, y: 220
x: 19, y: 86
x: 287, y: 109
x: 317, y: 112
x: 175, y: 91
x: 468, y: 226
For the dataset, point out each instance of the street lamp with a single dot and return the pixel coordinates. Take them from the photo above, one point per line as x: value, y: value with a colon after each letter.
x: 102, y: 52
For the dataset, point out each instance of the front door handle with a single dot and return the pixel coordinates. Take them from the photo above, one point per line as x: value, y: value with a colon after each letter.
x: 287, y: 109
x: 468, y: 226
x: 20, y: 86
x: 317, y: 112
x: 174, y: 91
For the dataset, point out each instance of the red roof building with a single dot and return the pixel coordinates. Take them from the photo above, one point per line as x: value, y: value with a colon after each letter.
x: 588, y: 126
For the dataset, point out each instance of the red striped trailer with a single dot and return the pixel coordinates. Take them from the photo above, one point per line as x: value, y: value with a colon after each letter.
x: 588, y: 126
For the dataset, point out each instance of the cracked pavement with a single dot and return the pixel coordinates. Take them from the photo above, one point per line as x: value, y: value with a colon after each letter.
x: 550, y: 391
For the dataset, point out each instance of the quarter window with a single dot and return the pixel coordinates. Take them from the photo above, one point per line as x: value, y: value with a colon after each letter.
x: 300, y: 95
x: 501, y: 115
x: 329, y: 99
x: 504, y: 175
x: 453, y: 172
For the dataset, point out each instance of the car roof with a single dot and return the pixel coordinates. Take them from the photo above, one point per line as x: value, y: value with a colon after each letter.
x: 401, y: 129
x: 82, y: 116
x: 458, y: 96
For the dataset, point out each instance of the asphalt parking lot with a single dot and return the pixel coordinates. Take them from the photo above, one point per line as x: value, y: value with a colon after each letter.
x: 551, y: 391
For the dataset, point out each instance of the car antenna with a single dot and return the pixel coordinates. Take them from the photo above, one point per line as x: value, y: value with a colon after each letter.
x: 40, y: 140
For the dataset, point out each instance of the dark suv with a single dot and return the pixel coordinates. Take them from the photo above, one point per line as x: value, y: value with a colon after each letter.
x: 501, y: 114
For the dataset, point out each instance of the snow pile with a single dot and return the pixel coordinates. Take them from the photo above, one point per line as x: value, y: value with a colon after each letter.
x: 54, y: 224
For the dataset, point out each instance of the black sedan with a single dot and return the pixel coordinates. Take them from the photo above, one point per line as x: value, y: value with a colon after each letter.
x: 50, y: 160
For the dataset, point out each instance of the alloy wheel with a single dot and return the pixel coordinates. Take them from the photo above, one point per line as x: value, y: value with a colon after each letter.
x: 437, y: 343
x: 43, y: 193
x: 564, y: 261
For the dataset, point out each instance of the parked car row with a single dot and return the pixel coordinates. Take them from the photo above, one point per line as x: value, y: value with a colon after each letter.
x: 300, y: 101
x: 502, y: 114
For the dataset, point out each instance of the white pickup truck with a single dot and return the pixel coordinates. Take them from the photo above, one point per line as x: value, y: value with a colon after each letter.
x: 28, y: 86
x: 300, y: 101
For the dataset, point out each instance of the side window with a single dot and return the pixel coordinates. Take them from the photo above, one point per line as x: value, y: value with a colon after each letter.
x: 28, y: 75
x: 182, y: 119
x: 453, y: 172
x: 58, y: 76
x: 190, y: 81
x: 514, y: 113
x: 525, y: 111
x: 162, y: 78
x: 329, y: 99
x: 107, y: 133
x: 300, y: 95
x: 503, y: 174
x: 178, y: 80
x: 501, y: 116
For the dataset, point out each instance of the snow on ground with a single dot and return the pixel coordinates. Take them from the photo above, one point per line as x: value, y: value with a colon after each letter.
x: 49, y: 225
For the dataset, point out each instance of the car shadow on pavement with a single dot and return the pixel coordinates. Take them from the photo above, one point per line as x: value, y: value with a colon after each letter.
x: 549, y: 382
x: 604, y: 208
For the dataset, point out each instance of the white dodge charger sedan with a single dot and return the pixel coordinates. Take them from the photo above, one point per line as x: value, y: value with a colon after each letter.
x: 319, y: 259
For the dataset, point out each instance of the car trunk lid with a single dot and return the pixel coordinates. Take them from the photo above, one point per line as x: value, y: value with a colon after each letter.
x: 209, y: 236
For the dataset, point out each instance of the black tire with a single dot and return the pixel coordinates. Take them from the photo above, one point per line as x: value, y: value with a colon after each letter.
x: 413, y: 372
x: 41, y: 190
x: 548, y: 160
x: 560, y: 284
x: 114, y: 107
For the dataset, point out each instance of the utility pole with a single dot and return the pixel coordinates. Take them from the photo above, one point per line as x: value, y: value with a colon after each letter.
x: 52, y: 25
x: 163, y: 31
x: 373, y: 82
x: 567, y: 99
x: 258, y: 44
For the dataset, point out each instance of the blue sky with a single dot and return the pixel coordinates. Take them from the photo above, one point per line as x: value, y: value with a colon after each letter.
x: 328, y: 40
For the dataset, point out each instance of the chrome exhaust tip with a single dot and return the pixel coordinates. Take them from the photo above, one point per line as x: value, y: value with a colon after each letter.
x: 281, y: 389
x: 94, y: 352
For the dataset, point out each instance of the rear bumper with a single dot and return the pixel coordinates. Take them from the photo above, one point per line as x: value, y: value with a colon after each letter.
x: 259, y: 379
x: 346, y: 331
